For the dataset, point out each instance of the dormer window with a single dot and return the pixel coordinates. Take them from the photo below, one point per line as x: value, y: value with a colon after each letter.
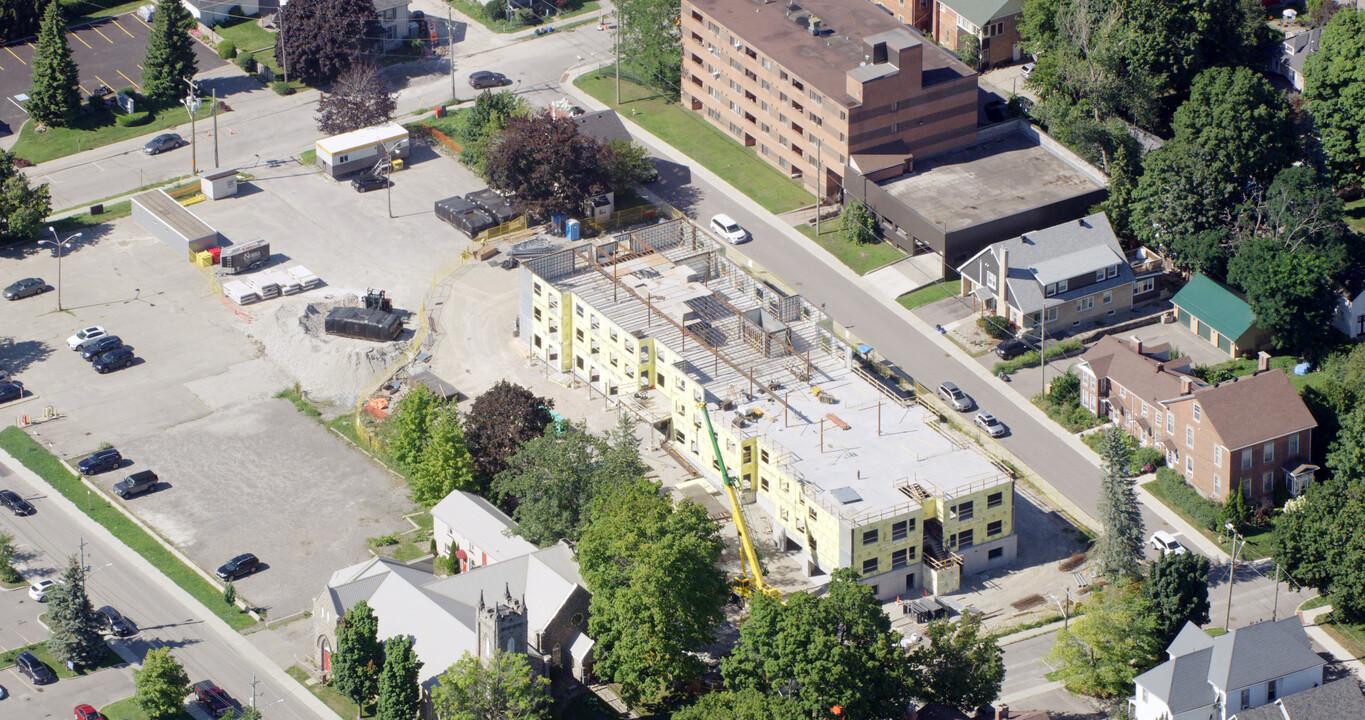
x: 1061, y: 286
x: 1113, y: 271
x: 1051, y: 290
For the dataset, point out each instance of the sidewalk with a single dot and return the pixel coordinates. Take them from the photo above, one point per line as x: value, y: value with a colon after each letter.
x: 1329, y: 643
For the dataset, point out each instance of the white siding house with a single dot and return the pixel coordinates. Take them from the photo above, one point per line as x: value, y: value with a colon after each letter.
x: 481, y: 533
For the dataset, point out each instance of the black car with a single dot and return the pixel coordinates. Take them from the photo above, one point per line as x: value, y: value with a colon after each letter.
x: 1016, y: 346
x: 100, y: 346
x: 99, y: 461
x: 34, y: 668
x: 113, y: 360
x: 366, y: 183
x: 113, y: 622
x: 243, y: 564
x: 10, y: 391
x: 24, y: 288
x: 135, y: 484
x: 16, y: 504
x: 214, y: 699
x: 487, y: 79
x: 162, y: 143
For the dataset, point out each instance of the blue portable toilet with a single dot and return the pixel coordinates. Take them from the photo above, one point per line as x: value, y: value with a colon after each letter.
x: 571, y: 230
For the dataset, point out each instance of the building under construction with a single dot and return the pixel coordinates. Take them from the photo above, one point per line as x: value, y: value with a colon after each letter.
x: 659, y: 319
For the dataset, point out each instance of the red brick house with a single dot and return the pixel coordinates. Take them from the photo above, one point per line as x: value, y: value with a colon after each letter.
x: 1251, y: 433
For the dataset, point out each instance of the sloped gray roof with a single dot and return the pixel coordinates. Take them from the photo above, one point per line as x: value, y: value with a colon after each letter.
x: 481, y: 522
x: 1190, y: 639
x: 1257, y: 653
x: 1335, y: 700
x: 1181, y: 683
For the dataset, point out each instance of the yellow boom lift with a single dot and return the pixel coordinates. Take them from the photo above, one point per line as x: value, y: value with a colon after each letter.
x: 751, y: 580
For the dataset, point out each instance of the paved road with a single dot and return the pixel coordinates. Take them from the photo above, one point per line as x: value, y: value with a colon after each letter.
x: 165, y: 618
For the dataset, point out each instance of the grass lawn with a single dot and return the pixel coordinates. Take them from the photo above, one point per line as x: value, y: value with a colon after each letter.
x: 1258, y: 540
x: 36, y: 458
x: 1355, y: 215
x: 39, y: 650
x: 267, y: 57
x: 95, y: 9
x: 475, y: 12
x: 1247, y: 366
x: 128, y: 709
x: 1350, y: 635
x: 404, y: 547
x: 699, y: 140
x: 339, y: 703
x: 246, y: 34
x: 932, y: 293
x: 94, y: 130
x: 860, y: 258
x: 1316, y: 602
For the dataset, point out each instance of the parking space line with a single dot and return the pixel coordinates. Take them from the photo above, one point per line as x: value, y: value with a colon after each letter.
x: 125, y: 30
x: 16, y: 57
x: 82, y: 87
x: 135, y: 17
x: 125, y: 77
x: 106, y: 37
x: 83, y: 42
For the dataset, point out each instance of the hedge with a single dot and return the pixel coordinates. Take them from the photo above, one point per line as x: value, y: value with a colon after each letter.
x: 227, y: 50
x: 996, y: 326
x: 1030, y: 358
x: 247, y: 62
x: 282, y: 88
x: 1171, y: 486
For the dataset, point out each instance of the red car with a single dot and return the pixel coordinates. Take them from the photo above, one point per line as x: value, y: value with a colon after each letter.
x: 85, y: 712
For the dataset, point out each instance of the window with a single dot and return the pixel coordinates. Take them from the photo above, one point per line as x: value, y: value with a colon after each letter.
x: 1144, y: 286
x: 1246, y: 698
x: 678, y: 436
x: 1268, y: 452
x: 1061, y: 286
x: 1189, y: 465
x: 990, y: 279
x: 1189, y: 436
x: 899, y: 559
x: 1198, y: 412
x: 995, y: 499
x: 536, y: 313
x: 870, y: 566
x: 1144, y: 411
x: 1051, y: 290
x: 1271, y: 691
x: 1113, y: 271
x: 578, y: 309
x: 811, y: 513
x: 786, y: 486
x: 1108, y: 296
x: 763, y: 482
x: 1099, y: 275
x: 536, y: 288
x: 899, y: 530
x: 1051, y: 314
x: 995, y: 528
x: 1267, y: 482
x: 579, y: 333
x: 965, y: 511
x: 1170, y: 423
x: 1246, y: 459
x: 1217, y: 457
x: 869, y: 536
x: 964, y: 539
x: 1217, y: 485
x: 341, y: 159
x: 746, y: 455
x: 1293, y: 445
x: 1085, y: 303
x: 763, y: 456
x: 995, y: 553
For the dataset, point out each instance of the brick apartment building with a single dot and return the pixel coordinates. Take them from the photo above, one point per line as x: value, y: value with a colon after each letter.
x: 813, y: 89
x: 1251, y: 433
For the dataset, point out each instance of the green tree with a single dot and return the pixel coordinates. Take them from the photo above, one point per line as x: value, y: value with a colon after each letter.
x: 18, y: 19
x: 484, y: 122
x: 961, y: 667
x: 1290, y: 292
x: 1179, y: 205
x: 74, y: 633
x: 858, y: 225
x: 553, y: 479
x: 7, y: 572
x: 1120, y: 547
x: 54, y: 98
x: 500, y: 420
x: 1296, y: 211
x: 741, y: 705
x: 630, y: 165
x: 22, y: 208
x: 161, y: 685
x: 504, y: 688
x: 230, y: 593
x: 1177, y: 590
x: 249, y: 713
x: 650, y: 41
x: 399, y: 693
x: 445, y: 464
x: 1108, y: 646
x: 657, y: 591
x: 1335, y: 88
x: 359, y: 656
x: 969, y: 49
x: 170, y: 59
x: 409, y: 427
x: 836, y: 649
x: 548, y: 164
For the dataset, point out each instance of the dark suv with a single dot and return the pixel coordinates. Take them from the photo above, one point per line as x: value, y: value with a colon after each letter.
x: 214, y: 699
x: 34, y: 668
x: 367, y: 182
x: 243, y: 564
x: 113, y: 622
x: 16, y: 504
x: 113, y: 360
x: 100, y: 346
x: 1016, y: 346
x: 100, y: 461
x: 135, y: 484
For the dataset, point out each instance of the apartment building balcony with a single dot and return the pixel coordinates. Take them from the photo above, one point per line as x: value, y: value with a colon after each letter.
x: 1144, y: 261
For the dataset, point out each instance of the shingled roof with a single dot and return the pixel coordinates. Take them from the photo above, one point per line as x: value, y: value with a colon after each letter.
x: 1332, y: 701
x: 1142, y: 374
x: 1238, y: 408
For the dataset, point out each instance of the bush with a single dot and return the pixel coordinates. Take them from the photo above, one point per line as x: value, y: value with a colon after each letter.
x: 1174, y: 488
x: 1030, y: 358
x: 495, y: 10
x: 1235, y: 512
x: 1148, y: 457
x: 94, y: 103
x: 131, y: 92
x: 247, y: 63
x: 282, y: 88
x: 132, y: 119
x: 227, y: 49
x: 1065, y: 389
x: 524, y: 17
x: 385, y: 540
x: 996, y: 326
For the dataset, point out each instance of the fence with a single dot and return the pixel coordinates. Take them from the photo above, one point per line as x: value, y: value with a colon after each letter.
x: 510, y: 227
x: 444, y: 139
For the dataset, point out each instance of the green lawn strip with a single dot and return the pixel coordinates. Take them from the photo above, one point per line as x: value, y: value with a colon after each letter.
x: 408, y: 546
x: 94, y: 130
x: 700, y: 141
x: 339, y: 703
x: 49, y: 468
x: 930, y: 294
x: 134, y: 191
x: 267, y: 57
x: 246, y: 34
x: 304, y: 405
x: 1355, y: 215
x: 1030, y: 358
x: 1316, y: 602
x: 128, y: 709
x: 475, y: 11
x: 1190, y: 505
x: 89, y: 10
x: 40, y: 651
x: 1350, y: 635
x: 1246, y: 366
x: 859, y: 257
x: 1215, y: 631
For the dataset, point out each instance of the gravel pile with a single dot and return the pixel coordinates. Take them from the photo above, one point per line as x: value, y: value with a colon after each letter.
x: 330, y: 369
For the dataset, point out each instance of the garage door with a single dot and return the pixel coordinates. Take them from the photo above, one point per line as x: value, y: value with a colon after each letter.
x: 1204, y: 332
x: 1183, y: 316
x: 1224, y: 343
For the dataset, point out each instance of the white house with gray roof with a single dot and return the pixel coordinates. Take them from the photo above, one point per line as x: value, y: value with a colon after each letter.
x: 1216, y: 678
x: 1069, y: 275
x: 480, y: 533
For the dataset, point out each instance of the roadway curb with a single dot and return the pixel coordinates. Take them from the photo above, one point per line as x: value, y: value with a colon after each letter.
x: 235, y: 640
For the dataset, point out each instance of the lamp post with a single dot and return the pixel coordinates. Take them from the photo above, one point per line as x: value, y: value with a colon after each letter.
x: 1232, y: 569
x: 60, y: 244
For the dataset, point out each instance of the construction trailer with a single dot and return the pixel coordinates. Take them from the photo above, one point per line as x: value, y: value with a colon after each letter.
x: 242, y: 258
x: 181, y: 230
x: 362, y: 149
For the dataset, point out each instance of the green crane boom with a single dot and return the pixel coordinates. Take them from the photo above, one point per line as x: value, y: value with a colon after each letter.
x: 752, y: 579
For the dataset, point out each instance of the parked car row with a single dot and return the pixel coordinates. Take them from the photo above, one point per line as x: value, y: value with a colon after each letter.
x: 962, y: 402
x: 104, y: 351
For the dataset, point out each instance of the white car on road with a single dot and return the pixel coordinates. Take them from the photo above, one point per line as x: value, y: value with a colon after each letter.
x: 987, y: 422
x: 726, y: 227
x: 1166, y: 544
x: 77, y: 341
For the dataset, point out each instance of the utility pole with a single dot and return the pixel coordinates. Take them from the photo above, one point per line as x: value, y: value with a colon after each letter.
x: 284, y: 44
x: 616, y: 46
x: 253, y: 691
x: 1042, y: 356
x: 450, y: 38
x: 215, y: 128
x: 819, y: 177
x: 192, y: 106
x: 1232, y: 571
x: 1275, y: 611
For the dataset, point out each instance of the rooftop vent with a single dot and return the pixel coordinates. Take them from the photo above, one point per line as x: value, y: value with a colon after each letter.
x: 846, y: 495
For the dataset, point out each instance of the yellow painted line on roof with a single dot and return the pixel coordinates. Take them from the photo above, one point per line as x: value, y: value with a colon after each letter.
x: 83, y: 42
x: 106, y: 37
x: 125, y: 30
x: 134, y: 82
x: 16, y: 57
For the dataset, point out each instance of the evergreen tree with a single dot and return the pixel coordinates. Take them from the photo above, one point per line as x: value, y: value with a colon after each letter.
x: 161, y: 685
x: 398, y: 690
x: 7, y: 572
x: 22, y: 208
x: 74, y: 630
x: 359, y: 656
x: 1177, y: 588
x: 55, y: 98
x: 18, y: 18
x: 170, y: 59
x: 1120, y: 547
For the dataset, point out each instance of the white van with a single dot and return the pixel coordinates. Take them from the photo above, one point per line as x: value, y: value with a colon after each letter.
x: 726, y: 227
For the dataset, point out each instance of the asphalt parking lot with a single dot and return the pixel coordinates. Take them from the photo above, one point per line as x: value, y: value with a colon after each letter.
x: 108, y: 51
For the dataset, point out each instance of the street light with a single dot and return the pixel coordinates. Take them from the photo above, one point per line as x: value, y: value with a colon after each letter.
x: 60, y: 244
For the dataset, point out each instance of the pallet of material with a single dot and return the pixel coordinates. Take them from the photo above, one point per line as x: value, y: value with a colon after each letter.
x: 240, y: 292
x: 304, y: 277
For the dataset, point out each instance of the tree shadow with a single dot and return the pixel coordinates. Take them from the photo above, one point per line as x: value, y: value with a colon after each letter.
x: 226, y: 87
x: 16, y: 356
